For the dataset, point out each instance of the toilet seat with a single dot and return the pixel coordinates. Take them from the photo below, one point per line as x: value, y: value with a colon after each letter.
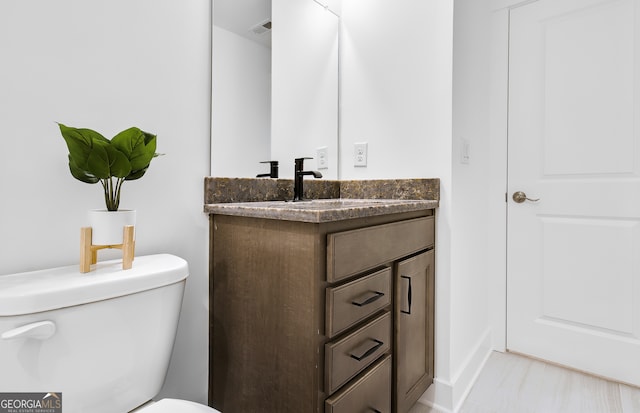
x: 176, y: 406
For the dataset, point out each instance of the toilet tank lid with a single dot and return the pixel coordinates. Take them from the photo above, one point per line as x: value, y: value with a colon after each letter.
x: 44, y: 290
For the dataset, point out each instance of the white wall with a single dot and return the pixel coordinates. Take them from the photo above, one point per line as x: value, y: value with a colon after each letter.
x: 305, y: 85
x: 471, y: 334
x: 396, y: 87
x: 415, y: 81
x: 109, y: 65
x: 241, y: 106
x: 397, y: 96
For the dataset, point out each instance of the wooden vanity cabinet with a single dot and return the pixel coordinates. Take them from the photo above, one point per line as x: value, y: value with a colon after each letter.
x: 303, y: 315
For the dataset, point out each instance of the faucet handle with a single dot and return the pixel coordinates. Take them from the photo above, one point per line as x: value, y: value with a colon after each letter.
x: 300, y: 163
x: 273, y: 171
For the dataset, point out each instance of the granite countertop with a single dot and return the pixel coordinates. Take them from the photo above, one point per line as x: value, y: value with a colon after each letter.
x: 329, y: 200
x: 320, y: 210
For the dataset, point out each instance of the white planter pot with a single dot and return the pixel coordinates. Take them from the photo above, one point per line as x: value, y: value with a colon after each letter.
x: 107, y: 227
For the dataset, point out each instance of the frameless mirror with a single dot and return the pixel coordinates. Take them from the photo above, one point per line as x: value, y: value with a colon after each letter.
x: 274, y: 86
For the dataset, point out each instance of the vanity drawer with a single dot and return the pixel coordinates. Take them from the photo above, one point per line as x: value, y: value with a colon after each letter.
x: 350, y: 355
x: 356, y: 300
x: 369, y: 393
x: 351, y: 252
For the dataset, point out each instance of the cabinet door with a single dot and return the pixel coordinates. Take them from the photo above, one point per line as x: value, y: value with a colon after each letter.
x: 414, y: 311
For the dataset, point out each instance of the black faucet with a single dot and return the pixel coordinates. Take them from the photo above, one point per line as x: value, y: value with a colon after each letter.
x: 298, y: 178
x: 273, y: 172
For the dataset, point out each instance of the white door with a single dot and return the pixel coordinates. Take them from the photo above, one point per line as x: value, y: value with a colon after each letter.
x: 573, y: 294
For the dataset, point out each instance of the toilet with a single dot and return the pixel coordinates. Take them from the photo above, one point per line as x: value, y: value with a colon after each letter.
x: 102, y: 340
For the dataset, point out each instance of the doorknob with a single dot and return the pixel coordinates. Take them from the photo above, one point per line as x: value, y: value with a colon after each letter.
x: 520, y: 197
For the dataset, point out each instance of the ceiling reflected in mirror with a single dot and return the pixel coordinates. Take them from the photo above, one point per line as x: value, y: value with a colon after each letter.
x: 250, y: 19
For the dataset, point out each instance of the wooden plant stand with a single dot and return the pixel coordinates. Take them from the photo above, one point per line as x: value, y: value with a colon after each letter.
x: 89, y: 252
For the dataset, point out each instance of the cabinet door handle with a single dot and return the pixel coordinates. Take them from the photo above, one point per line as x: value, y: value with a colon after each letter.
x: 360, y: 356
x: 367, y: 298
x: 408, y: 297
x: 375, y: 410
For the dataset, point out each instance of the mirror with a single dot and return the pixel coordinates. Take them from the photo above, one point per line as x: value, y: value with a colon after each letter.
x: 274, y: 86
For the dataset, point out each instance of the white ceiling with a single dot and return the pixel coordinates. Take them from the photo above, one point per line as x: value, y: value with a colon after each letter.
x: 239, y: 16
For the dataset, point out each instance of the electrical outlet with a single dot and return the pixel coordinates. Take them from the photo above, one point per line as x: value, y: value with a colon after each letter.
x: 360, y: 154
x: 322, y: 157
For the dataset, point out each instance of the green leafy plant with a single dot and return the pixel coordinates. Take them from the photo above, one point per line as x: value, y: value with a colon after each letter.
x: 94, y: 158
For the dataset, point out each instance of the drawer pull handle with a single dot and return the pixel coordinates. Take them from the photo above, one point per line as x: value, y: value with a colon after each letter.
x: 375, y: 410
x: 368, y: 352
x: 408, y: 297
x: 367, y: 298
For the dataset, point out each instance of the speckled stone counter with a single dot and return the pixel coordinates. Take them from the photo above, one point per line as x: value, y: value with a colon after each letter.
x: 221, y: 190
x: 321, y: 210
x: 329, y: 200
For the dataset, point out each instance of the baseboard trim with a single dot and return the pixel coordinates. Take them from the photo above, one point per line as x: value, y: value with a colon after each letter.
x: 448, y: 396
x: 438, y: 396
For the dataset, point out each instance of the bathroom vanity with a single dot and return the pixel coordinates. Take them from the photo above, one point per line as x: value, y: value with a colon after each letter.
x: 321, y: 306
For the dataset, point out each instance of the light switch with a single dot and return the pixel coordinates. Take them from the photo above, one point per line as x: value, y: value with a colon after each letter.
x: 465, y: 151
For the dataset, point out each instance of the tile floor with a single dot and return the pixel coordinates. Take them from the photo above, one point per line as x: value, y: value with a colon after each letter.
x: 510, y: 383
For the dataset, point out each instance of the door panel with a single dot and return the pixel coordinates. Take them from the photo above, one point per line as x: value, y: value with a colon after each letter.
x: 588, y: 122
x: 573, y: 267
x: 578, y: 284
x: 414, y: 324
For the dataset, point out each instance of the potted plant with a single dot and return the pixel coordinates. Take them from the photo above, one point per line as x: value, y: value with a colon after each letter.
x: 94, y: 158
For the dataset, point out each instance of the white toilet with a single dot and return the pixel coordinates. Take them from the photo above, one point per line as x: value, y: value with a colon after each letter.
x: 102, y: 339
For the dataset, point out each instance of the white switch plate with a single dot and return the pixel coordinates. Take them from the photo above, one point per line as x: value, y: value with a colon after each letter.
x: 322, y: 157
x: 465, y: 151
x: 360, y: 154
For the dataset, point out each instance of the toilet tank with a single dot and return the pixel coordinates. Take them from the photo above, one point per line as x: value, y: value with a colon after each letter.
x: 103, y: 339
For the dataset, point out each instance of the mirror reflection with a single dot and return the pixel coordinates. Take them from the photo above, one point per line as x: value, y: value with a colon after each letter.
x: 274, y: 86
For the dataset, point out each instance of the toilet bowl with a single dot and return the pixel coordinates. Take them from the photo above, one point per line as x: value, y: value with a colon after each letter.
x: 175, y: 406
x: 102, y: 340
